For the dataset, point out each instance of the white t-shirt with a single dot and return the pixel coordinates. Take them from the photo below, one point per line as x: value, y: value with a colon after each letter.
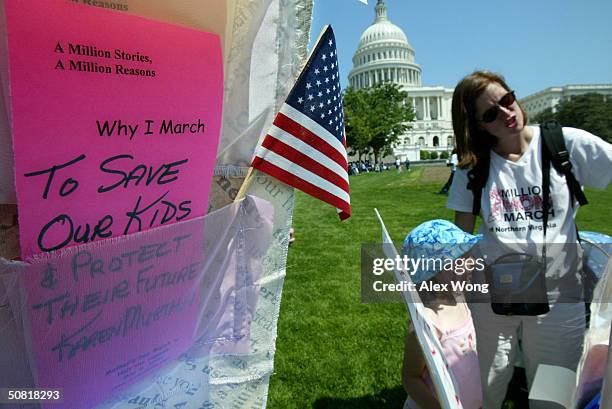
x: 511, y: 203
x: 454, y: 161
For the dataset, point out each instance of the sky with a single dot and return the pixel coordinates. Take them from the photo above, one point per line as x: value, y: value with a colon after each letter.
x: 535, y: 44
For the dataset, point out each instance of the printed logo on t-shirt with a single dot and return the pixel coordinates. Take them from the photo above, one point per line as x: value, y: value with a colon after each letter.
x: 518, y: 204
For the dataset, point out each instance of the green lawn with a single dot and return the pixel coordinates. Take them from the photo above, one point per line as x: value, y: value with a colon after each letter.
x: 333, y: 351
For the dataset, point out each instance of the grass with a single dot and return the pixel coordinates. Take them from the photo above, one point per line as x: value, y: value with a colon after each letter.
x: 333, y: 351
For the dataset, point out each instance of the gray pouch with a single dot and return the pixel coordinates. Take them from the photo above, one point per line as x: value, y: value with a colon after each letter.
x: 517, y: 283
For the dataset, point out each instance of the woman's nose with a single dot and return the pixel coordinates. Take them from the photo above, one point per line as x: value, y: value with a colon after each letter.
x: 507, y: 111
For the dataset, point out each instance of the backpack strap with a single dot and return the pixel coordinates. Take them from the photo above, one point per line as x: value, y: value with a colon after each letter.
x: 477, y: 179
x: 554, y: 143
x: 546, y: 159
x: 554, y: 151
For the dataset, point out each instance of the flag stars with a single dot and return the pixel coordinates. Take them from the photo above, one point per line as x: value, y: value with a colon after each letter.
x: 323, y: 103
x: 330, y: 42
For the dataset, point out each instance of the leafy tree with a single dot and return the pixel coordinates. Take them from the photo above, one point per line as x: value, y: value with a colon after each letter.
x: 376, y: 117
x: 444, y: 155
x: 546, y: 115
x: 355, y: 115
x: 424, y: 155
x: 590, y: 112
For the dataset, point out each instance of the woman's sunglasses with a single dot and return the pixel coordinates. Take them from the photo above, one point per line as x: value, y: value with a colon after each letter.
x: 490, y: 114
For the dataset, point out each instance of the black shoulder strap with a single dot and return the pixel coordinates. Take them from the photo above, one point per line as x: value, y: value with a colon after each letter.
x: 546, y: 159
x: 555, y: 152
x: 554, y: 143
x: 477, y: 179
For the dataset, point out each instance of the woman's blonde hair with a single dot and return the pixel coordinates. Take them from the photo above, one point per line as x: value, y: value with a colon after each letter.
x: 473, y: 142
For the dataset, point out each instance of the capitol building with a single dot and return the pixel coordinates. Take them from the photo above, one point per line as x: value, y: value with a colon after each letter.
x: 384, y: 54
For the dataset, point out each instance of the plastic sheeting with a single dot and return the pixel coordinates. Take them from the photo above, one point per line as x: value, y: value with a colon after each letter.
x: 95, y: 318
x: 575, y: 390
x: 231, y: 359
x: 592, y: 366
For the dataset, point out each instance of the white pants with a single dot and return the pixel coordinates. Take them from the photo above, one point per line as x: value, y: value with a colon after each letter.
x: 555, y: 339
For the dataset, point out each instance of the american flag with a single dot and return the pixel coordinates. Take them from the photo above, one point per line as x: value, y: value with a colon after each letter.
x: 306, y: 146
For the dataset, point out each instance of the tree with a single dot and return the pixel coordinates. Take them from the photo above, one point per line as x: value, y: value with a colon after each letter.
x: 590, y: 112
x: 376, y: 117
x: 355, y: 114
x: 546, y: 115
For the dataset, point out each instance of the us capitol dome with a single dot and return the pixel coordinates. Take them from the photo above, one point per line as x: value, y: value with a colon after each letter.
x: 384, y: 54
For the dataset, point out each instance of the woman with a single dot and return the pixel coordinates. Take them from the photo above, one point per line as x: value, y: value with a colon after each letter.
x: 490, y: 125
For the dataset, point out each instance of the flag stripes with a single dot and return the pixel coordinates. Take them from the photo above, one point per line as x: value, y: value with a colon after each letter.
x: 306, y: 162
x: 308, y: 150
x: 322, y: 169
x: 301, y: 173
x: 299, y: 133
x: 291, y: 178
x: 314, y: 130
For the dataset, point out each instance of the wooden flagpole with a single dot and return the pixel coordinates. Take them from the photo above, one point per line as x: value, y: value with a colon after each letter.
x: 245, y: 184
x: 248, y: 180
